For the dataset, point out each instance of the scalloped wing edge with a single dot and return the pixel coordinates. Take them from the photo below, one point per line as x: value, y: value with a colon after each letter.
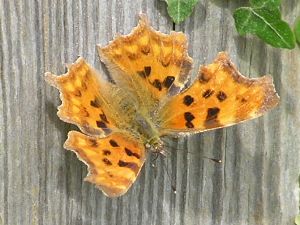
x: 144, y: 23
x: 53, y: 79
x: 104, y: 189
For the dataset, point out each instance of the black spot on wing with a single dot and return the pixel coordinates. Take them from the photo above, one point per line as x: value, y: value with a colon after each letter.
x: 212, y: 113
x: 208, y: 93
x: 221, y: 96
x: 147, y: 70
x: 101, y: 124
x: 157, y: 84
x: 107, y: 162
x: 212, y: 118
x: 141, y: 73
x: 168, y: 81
x: 103, y: 117
x: 113, y: 143
x: 130, y: 165
x: 131, y: 153
x: 122, y: 163
x: 106, y: 152
x: 95, y: 103
x: 188, y: 116
x: 189, y: 124
x: 188, y: 100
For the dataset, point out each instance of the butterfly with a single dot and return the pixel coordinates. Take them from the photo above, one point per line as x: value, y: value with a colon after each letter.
x: 124, y: 119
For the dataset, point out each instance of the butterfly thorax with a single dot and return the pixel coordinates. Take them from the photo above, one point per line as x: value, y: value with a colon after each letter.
x: 132, y: 114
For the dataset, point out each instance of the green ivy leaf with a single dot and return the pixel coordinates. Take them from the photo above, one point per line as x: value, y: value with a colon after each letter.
x: 297, y: 30
x: 297, y: 220
x: 263, y: 19
x: 265, y: 3
x: 179, y: 10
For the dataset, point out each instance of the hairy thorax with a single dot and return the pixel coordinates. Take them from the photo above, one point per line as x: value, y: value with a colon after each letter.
x: 132, y: 116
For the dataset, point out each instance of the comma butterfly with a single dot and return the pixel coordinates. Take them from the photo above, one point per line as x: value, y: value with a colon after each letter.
x: 123, y: 120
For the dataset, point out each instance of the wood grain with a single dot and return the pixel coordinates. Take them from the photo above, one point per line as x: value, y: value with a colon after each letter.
x: 41, y: 183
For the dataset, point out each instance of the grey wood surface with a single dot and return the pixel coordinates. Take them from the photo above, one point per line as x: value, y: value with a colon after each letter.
x: 41, y: 183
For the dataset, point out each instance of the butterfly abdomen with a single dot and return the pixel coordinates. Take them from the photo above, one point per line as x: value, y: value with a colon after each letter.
x: 145, y: 127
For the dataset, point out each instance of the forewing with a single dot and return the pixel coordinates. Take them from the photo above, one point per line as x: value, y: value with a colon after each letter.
x: 113, y: 162
x: 220, y: 97
x: 148, y: 60
x: 82, y: 99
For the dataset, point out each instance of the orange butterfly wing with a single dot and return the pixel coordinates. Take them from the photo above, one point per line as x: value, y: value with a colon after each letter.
x: 81, y: 99
x: 114, y: 162
x: 220, y: 97
x: 160, y: 61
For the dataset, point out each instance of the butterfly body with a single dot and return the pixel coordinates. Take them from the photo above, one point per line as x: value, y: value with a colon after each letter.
x: 123, y: 120
x: 127, y: 110
x: 137, y: 120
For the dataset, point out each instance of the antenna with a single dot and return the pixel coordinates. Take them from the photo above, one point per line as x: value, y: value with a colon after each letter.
x: 173, y: 186
x: 205, y: 157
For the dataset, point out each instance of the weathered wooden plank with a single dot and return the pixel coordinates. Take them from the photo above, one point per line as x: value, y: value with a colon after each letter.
x: 40, y: 183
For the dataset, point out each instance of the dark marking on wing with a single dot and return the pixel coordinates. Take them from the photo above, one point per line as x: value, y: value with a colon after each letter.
x: 93, y: 143
x: 103, y: 117
x: 106, y: 152
x: 221, y: 96
x: 145, y: 50
x: 188, y: 100
x: 168, y: 81
x: 95, y: 103
x: 189, y: 124
x: 157, y: 84
x: 142, y: 74
x: 107, y: 162
x: 212, y: 113
x: 113, y: 143
x: 147, y: 70
x: 130, y: 165
x: 101, y: 124
x: 208, y: 93
x: 77, y: 93
x: 212, y: 118
x: 188, y: 116
x: 130, y: 153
